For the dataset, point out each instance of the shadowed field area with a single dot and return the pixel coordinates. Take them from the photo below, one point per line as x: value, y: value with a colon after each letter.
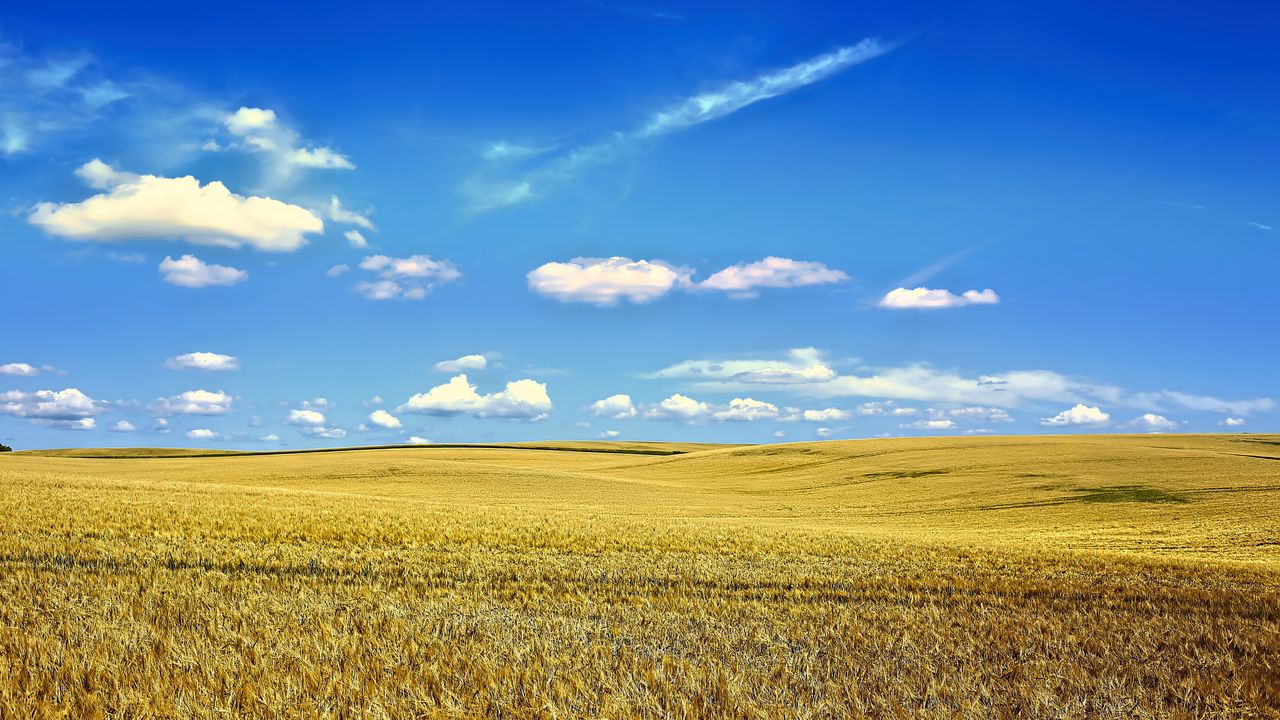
x: 1088, y: 576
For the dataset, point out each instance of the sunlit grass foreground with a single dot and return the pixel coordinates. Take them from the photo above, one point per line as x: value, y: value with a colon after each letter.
x: 1075, y: 577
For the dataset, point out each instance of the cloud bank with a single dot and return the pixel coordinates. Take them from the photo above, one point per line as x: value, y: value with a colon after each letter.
x: 925, y: 383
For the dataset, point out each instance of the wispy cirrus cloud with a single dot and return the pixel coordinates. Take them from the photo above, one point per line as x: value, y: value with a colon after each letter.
x: 490, y: 194
x: 504, y: 151
x: 730, y: 98
x: 45, y: 96
x: 645, y: 11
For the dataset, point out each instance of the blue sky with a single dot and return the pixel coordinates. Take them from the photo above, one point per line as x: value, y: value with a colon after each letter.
x: 340, y: 224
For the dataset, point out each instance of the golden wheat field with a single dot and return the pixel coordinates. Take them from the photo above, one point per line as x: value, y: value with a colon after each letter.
x: 1019, y: 577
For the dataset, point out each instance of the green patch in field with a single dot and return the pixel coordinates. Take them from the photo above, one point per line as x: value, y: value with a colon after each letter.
x: 1128, y: 493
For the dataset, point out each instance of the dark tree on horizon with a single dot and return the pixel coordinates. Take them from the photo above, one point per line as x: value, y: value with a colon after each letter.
x: 5, y: 448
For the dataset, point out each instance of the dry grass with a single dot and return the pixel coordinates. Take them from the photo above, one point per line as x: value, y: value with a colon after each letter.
x: 996, y: 577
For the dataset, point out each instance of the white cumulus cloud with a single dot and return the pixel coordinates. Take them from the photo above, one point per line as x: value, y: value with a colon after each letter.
x: 306, y: 417
x: 745, y: 279
x: 679, y: 407
x: 466, y: 362
x: 801, y: 366
x: 322, y: 157
x: 101, y: 176
x: 203, y: 361
x: 329, y: 433
x: 747, y: 409
x: 1232, y: 422
x: 202, y: 434
x: 981, y: 414
x: 340, y: 214
x: 149, y: 207
x: 192, y: 272
x: 249, y: 120
x: 824, y: 416
x: 382, y: 418
x: 409, y: 278
x: 521, y: 399
x: 931, y: 424
x: 1079, y: 414
x: 615, y: 406
x: 1152, y: 422
x: 259, y: 130
x: 194, y: 402
x: 19, y: 369
x: 786, y: 375
x: 605, y: 281
x: 925, y: 299
x: 68, y: 405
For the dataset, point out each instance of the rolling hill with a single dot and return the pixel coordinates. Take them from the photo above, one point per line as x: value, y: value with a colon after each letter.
x: 1076, y: 576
